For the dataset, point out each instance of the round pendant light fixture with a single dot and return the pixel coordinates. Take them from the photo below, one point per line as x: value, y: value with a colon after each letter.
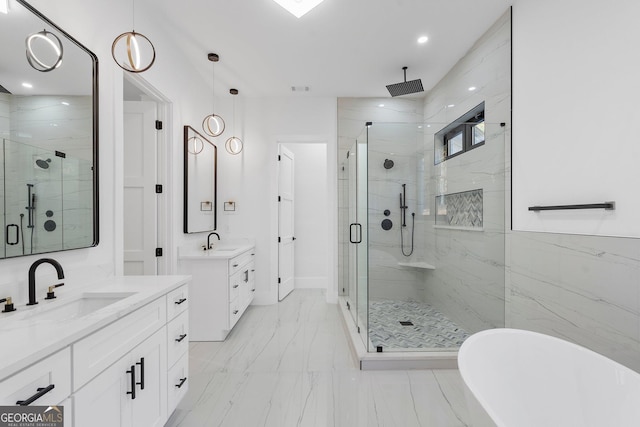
x: 195, y: 145
x: 44, y: 51
x: 213, y: 124
x: 234, y: 144
x: 132, y: 51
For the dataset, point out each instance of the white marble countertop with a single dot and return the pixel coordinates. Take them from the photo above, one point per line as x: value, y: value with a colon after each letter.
x: 222, y: 251
x: 26, y: 338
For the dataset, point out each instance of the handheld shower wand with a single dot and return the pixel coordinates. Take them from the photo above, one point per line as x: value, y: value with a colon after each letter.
x: 403, y: 218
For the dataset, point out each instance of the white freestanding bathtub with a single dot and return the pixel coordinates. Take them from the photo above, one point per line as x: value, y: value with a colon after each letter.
x: 522, y: 378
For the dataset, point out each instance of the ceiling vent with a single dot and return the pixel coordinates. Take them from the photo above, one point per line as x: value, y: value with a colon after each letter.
x: 300, y: 89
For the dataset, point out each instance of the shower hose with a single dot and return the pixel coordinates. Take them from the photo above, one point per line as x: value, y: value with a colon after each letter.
x: 413, y: 227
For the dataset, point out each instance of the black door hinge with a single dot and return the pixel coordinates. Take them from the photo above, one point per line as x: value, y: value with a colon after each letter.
x: 279, y: 280
x: 158, y: 251
x: 279, y: 239
x: 279, y: 198
x: 279, y: 158
x: 158, y: 188
x: 158, y: 125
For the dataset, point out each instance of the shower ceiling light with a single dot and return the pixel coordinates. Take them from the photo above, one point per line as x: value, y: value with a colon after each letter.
x: 133, y: 52
x: 49, y: 51
x: 234, y: 144
x: 213, y: 125
x: 423, y: 39
x: 298, y: 7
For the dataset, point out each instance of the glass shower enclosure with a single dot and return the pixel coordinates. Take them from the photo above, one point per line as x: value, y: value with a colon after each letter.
x: 422, y: 228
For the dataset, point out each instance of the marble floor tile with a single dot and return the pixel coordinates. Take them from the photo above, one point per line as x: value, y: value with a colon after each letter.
x: 290, y: 365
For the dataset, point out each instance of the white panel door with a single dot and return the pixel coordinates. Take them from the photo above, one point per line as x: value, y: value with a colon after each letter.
x: 286, y: 239
x: 140, y: 204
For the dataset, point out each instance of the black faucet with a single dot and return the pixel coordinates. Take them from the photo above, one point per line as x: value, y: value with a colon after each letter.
x: 209, y: 237
x: 32, y: 276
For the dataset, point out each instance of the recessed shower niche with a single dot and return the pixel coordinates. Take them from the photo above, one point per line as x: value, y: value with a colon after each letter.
x: 48, y: 136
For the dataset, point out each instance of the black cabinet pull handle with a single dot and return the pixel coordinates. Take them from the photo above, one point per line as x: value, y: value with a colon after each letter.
x: 246, y: 276
x: 235, y: 265
x: 235, y: 286
x: 235, y: 311
x: 253, y: 290
x: 183, y: 336
x: 132, y: 372
x: 41, y: 391
x: 141, y: 363
x: 182, y: 381
x: 180, y: 301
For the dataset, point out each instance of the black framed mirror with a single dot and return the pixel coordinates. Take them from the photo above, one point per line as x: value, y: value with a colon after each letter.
x: 48, y: 136
x: 200, y: 182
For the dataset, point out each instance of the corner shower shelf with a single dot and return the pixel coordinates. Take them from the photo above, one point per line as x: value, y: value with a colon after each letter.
x: 422, y: 265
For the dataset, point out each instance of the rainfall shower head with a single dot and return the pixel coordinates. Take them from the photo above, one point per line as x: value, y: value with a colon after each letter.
x: 405, y: 87
x: 43, y: 164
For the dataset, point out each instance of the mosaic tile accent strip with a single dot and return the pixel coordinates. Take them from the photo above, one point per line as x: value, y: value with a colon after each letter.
x: 431, y: 329
x: 460, y: 209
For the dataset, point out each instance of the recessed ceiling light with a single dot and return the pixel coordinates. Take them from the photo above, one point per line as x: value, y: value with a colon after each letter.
x: 451, y: 105
x: 423, y: 39
x: 380, y: 105
x: 428, y: 126
x: 298, y: 7
x: 472, y: 88
x: 65, y: 103
x: 419, y: 127
x: 27, y: 85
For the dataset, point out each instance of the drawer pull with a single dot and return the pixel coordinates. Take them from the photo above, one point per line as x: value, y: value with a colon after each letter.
x: 235, y: 311
x: 235, y: 286
x: 132, y: 372
x: 252, y: 270
x: 235, y: 265
x: 183, y: 336
x: 180, y: 301
x: 141, y: 363
x: 246, y: 276
x: 182, y: 381
x: 41, y: 391
x: 253, y: 290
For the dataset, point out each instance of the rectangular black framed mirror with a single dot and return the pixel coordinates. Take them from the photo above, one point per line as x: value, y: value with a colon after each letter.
x: 48, y: 136
x: 200, y: 182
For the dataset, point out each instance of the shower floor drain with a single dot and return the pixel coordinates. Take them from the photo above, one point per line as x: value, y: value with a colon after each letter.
x: 406, y: 323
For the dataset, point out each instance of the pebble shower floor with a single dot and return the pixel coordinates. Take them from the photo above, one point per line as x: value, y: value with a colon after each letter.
x: 430, y: 329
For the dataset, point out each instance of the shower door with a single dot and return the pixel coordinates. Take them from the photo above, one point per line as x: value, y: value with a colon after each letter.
x: 358, y: 252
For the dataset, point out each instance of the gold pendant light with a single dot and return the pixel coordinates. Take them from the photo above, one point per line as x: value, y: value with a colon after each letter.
x: 213, y: 125
x: 234, y: 144
x: 133, y: 52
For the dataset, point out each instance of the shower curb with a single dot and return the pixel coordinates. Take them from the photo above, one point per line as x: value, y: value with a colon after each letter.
x: 391, y: 360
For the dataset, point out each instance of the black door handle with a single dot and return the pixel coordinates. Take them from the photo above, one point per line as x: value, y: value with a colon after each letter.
x: 246, y: 276
x: 182, y: 381
x: 17, y: 239
x: 132, y: 372
x: 359, y: 232
x: 181, y: 337
x: 41, y: 391
x: 141, y: 363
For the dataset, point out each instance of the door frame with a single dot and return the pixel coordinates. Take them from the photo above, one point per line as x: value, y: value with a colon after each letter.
x: 166, y: 263
x: 332, y: 217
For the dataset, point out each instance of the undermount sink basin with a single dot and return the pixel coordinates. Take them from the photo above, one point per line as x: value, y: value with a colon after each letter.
x: 88, y: 303
x: 224, y: 249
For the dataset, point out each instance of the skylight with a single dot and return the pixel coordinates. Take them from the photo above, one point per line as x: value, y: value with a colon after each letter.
x: 298, y: 7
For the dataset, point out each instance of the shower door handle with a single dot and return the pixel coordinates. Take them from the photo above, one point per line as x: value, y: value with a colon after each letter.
x: 17, y: 238
x: 359, y: 233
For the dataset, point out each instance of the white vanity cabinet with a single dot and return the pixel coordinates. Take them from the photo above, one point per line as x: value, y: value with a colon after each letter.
x: 221, y: 289
x: 113, y: 369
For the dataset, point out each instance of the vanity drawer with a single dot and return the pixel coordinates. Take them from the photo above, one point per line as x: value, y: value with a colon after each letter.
x: 237, y: 263
x: 235, y: 311
x: 177, y: 338
x: 235, y: 283
x: 178, y: 382
x: 93, y: 354
x: 177, y: 301
x: 54, y: 370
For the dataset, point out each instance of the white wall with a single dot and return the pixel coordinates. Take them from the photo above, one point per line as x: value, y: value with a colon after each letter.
x: 310, y: 214
x: 250, y: 179
x: 582, y: 85
x: 575, y: 106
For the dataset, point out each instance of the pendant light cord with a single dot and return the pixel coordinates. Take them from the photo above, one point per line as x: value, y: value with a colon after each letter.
x: 133, y: 15
x: 213, y: 88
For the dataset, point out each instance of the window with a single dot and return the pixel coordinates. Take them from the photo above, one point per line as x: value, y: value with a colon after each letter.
x: 463, y: 135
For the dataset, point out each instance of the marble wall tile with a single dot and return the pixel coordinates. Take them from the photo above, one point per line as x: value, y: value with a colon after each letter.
x: 580, y: 288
